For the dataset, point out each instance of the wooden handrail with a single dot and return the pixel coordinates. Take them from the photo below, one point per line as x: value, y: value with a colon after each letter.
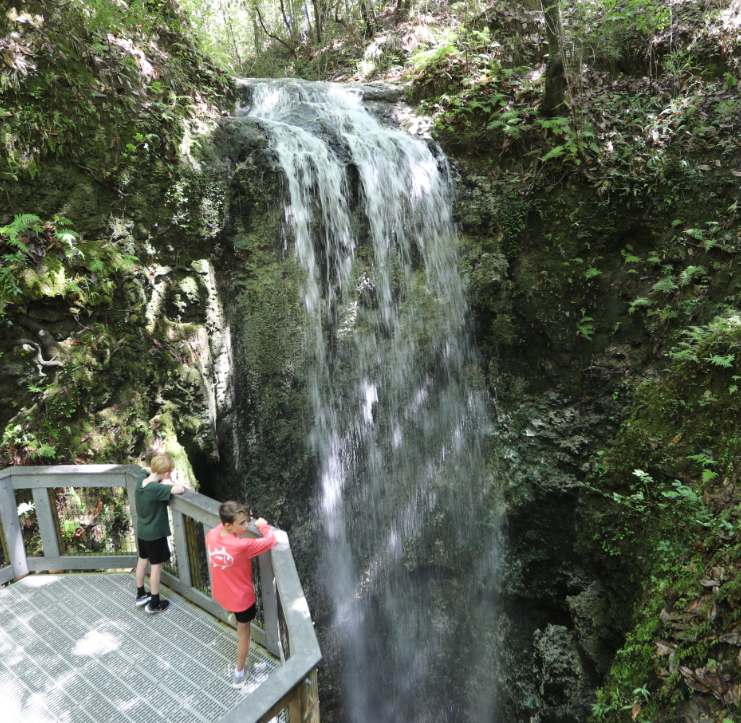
x: 292, y: 686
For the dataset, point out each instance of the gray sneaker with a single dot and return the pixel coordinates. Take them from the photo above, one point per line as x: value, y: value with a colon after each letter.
x: 143, y: 599
x: 239, y: 682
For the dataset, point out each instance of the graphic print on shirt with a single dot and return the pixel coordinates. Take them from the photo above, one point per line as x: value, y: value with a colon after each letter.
x: 220, y: 558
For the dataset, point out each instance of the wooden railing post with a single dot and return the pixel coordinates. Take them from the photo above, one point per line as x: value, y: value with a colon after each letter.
x: 182, y: 554
x: 12, y: 527
x: 304, y: 706
x: 130, y: 490
x: 3, y: 544
x: 47, y: 520
x: 309, y: 697
x: 270, y: 605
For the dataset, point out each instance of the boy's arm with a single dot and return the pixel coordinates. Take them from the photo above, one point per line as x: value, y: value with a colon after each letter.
x: 268, y: 541
x: 177, y: 489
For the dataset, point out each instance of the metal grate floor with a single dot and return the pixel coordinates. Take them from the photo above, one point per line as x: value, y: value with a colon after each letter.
x: 74, y: 648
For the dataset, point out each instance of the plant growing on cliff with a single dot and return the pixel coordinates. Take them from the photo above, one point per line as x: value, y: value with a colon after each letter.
x: 680, y: 520
x: 21, y: 225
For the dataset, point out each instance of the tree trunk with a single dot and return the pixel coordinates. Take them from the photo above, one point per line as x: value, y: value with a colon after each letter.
x: 307, y: 14
x: 555, y: 80
x: 317, y: 20
x: 370, y: 29
x: 288, y: 25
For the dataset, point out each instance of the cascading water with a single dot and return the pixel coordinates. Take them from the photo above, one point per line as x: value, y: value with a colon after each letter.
x: 400, y: 414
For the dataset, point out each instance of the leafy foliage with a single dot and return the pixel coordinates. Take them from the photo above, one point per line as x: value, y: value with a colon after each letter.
x: 682, y: 520
x: 97, y: 81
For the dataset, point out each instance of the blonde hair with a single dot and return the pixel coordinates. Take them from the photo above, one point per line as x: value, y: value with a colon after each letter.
x: 162, y: 464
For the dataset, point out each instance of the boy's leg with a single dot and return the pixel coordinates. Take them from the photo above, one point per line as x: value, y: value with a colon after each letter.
x: 141, y: 569
x: 155, y: 573
x: 160, y: 553
x: 243, y: 644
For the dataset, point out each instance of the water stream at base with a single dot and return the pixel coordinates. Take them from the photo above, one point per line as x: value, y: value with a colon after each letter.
x: 400, y: 412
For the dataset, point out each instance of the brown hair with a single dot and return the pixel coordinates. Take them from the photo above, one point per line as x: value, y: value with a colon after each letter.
x: 228, y: 511
x: 162, y: 464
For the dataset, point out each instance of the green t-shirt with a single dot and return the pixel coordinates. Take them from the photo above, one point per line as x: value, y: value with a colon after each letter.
x: 151, y: 508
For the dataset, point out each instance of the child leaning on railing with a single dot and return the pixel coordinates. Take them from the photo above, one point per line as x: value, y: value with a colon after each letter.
x: 230, y: 560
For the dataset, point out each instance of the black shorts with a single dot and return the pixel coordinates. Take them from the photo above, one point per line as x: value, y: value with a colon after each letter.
x: 247, y: 615
x: 156, y: 551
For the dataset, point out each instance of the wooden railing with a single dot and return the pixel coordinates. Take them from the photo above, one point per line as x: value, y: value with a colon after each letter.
x: 288, y: 631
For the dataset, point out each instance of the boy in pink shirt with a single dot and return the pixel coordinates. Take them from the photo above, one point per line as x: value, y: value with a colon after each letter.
x: 230, y: 561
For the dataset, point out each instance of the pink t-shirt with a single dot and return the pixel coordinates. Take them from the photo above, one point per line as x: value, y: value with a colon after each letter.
x: 230, y: 561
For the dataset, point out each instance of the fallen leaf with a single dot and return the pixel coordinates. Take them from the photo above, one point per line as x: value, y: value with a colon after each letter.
x: 675, y: 440
x: 712, y: 679
x: 696, y: 685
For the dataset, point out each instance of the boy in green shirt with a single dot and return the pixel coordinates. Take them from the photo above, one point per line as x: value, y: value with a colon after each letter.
x: 153, y: 490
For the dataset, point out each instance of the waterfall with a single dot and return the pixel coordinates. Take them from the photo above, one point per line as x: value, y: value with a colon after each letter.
x: 409, y: 548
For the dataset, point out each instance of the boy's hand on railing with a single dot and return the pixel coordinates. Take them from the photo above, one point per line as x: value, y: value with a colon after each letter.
x: 260, y: 522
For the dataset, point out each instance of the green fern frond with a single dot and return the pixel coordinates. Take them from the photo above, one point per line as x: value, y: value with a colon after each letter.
x: 20, y: 223
x: 46, y: 450
x: 66, y: 237
x: 643, y: 301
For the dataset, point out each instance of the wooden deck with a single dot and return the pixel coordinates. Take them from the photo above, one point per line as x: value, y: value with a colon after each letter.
x: 74, y: 648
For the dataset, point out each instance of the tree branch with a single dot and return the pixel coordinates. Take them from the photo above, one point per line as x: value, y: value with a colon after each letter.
x: 274, y: 37
x: 285, y: 20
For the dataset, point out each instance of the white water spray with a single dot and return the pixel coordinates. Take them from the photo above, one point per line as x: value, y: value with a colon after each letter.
x: 400, y: 414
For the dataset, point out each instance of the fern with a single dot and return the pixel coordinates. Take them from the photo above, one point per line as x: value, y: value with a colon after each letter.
x: 22, y: 222
x: 721, y: 361
x: 66, y: 237
x: 96, y: 266
x: 696, y: 333
x: 426, y: 58
x: 667, y: 285
x: 688, y: 274
x: 46, y: 450
x: 630, y: 258
x: 643, y: 301
x: 585, y: 328
x: 556, y: 152
x: 557, y: 125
